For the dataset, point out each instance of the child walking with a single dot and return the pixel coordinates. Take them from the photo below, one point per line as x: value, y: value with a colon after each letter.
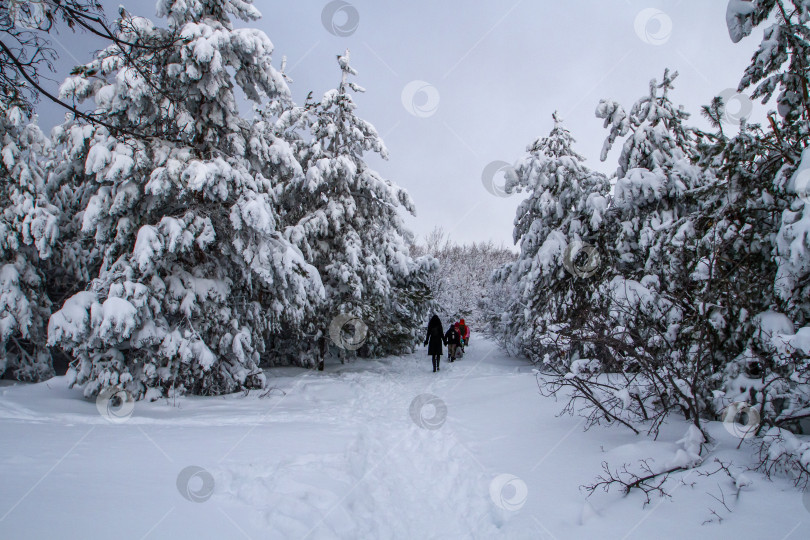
x: 452, y: 338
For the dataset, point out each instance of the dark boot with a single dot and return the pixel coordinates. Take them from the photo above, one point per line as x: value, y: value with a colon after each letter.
x: 438, y: 361
x: 434, y: 364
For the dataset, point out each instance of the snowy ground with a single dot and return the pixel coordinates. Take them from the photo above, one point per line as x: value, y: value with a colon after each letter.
x: 340, y: 454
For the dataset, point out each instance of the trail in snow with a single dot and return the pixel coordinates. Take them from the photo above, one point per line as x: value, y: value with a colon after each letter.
x: 371, y: 449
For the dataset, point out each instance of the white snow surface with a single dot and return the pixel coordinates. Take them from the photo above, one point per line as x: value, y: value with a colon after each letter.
x: 336, y: 454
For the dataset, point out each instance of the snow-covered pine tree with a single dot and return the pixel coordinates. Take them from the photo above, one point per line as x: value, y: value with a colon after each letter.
x: 402, y: 320
x: 690, y: 313
x: 781, y: 64
x: 640, y: 324
x: 557, y: 222
x: 773, y: 372
x: 29, y: 230
x: 650, y: 322
x: 735, y: 267
x: 343, y: 216
x: 653, y: 179
x: 195, y: 275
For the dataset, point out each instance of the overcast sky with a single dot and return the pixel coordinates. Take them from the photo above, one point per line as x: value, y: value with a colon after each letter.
x: 453, y: 86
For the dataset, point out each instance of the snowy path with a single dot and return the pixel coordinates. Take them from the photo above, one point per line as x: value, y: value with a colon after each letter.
x: 340, y: 454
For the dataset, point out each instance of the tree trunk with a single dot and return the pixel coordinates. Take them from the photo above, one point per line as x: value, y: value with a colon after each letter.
x: 322, y: 352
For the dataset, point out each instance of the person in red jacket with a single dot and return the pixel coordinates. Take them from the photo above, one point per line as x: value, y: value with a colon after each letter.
x: 460, y: 348
x: 464, y: 330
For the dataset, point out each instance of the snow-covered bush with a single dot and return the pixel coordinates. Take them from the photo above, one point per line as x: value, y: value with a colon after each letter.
x: 647, y: 311
x: 700, y: 302
x: 460, y: 287
x: 782, y: 453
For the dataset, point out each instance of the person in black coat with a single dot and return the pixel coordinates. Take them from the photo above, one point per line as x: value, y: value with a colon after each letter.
x: 434, y: 340
x: 453, y: 339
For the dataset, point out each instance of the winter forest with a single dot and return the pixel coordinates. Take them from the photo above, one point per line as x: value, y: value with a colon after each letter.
x: 218, y: 286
